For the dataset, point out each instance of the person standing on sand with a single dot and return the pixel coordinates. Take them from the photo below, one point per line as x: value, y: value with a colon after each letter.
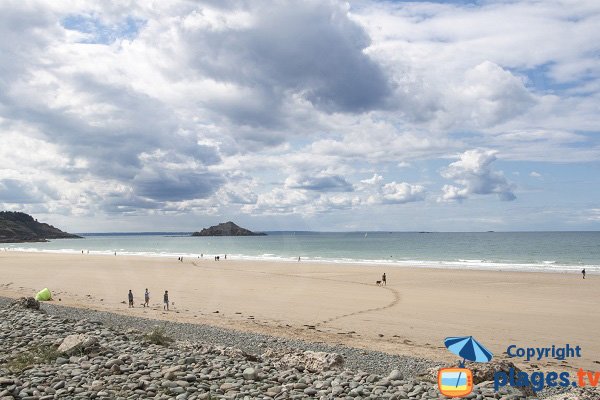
x: 130, y: 295
x: 166, y: 300
x: 147, y: 298
x: 383, y: 281
x: 583, y: 273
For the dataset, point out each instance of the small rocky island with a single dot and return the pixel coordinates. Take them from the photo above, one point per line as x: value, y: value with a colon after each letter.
x: 227, y: 229
x: 18, y: 227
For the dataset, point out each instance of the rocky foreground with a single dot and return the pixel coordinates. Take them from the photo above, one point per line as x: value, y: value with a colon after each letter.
x: 45, y: 356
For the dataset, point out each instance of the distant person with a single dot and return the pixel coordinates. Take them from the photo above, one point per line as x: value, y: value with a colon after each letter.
x: 115, y: 253
x: 202, y: 255
x: 166, y: 300
x: 226, y: 256
x: 583, y: 273
x: 130, y: 296
x: 298, y: 258
x: 147, y: 298
x: 178, y: 258
x: 181, y: 259
x: 383, y: 280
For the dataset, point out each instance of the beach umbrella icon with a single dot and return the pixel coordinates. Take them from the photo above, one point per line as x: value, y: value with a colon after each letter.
x: 469, y: 349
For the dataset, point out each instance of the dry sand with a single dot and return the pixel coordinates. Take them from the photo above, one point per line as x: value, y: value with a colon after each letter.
x: 412, y: 315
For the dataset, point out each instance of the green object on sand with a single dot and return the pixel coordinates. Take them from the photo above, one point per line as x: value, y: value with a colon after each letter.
x: 43, y: 295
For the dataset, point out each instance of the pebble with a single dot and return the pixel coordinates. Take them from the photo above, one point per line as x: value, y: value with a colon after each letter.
x: 128, y: 367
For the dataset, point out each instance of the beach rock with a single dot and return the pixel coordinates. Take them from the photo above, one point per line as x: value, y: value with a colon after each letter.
x: 313, y: 361
x: 77, y: 343
x: 250, y: 374
x: 27, y: 302
x: 395, y: 375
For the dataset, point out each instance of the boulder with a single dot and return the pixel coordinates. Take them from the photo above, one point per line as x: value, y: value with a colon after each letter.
x: 78, y: 343
x: 27, y: 302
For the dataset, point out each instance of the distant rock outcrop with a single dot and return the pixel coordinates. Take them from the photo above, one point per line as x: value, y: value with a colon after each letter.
x: 227, y: 229
x: 18, y: 227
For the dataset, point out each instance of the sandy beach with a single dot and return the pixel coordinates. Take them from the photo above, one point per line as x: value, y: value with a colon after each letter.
x: 332, y: 303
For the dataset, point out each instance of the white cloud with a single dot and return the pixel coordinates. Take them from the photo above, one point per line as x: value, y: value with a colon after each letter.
x: 474, y: 174
x: 398, y: 193
x: 139, y: 108
x: 535, y: 174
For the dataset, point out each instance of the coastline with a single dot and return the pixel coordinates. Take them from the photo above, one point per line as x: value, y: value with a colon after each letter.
x: 474, y: 265
x: 331, y: 303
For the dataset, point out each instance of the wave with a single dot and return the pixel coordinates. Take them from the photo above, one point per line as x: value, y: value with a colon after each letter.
x: 469, y: 264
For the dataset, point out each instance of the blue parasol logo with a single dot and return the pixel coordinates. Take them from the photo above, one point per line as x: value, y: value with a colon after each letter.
x: 467, y: 348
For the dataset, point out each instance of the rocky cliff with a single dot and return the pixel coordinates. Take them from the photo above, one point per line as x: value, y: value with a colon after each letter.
x: 17, y: 227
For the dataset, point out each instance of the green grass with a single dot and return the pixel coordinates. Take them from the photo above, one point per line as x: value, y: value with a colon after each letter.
x: 39, y: 354
x: 158, y: 336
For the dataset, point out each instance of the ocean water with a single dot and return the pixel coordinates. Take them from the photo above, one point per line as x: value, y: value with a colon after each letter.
x: 533, y: 251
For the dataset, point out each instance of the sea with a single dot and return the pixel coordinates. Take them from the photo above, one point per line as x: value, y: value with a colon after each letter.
x: 511, y: 251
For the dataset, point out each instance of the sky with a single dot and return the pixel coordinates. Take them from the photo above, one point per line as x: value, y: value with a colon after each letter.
x: 301, y: 115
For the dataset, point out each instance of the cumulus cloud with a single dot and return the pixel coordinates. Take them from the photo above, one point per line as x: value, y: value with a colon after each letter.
x: 138, y: 108
x: 398, y: 193
x: 320, y: 183
x: 308, y: 47
x: 473, y: 174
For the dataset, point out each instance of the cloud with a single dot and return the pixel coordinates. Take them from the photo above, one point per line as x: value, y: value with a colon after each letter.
x: 20, y: 192
x: 535, y: 174
x: 474, y: 175
x: 271, y: 50
x: 207, y: 106
x: 398, y: 193
x: 321, y: 183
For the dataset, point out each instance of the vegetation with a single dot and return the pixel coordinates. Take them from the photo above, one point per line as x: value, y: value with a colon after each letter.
x: 40, y: 354
x: 159, y: 337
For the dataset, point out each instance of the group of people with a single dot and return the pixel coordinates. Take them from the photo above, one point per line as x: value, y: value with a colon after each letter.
x: 147, y: 299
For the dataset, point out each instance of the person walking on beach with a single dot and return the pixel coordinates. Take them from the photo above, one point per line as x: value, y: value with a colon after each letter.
x: 147, y: 298
x: 383, y: 281
x: 130, y: 295
x: 166, y: 300
x: 583, y: 273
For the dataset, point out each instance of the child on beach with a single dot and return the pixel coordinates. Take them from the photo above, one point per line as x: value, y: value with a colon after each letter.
x: 166, y: 300
x: 383, y: 280
x: 130, y: 296
x: 146, y: 298
x: 583, y: 273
